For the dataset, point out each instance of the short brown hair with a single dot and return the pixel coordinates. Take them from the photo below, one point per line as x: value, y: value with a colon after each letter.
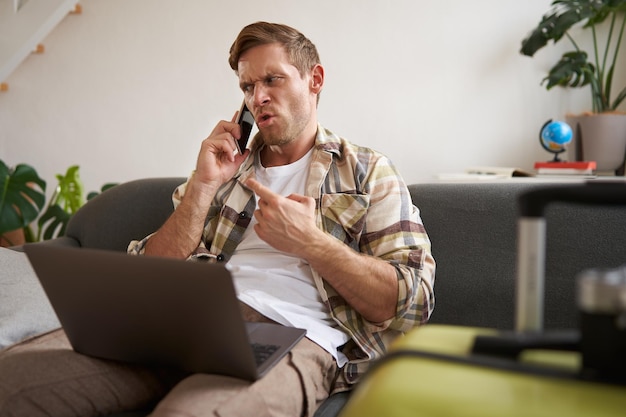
x: 302, y: 52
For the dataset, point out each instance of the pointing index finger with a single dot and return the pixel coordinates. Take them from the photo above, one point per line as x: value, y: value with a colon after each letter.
x: 260, y: 190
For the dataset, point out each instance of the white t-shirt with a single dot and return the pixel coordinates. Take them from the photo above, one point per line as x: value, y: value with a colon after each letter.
x: 278, y: 285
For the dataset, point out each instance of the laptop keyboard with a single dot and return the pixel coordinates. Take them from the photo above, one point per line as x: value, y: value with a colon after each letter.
x: 262, y: 352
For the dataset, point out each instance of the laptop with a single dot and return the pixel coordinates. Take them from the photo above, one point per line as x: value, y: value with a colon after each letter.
x: 156, y: 311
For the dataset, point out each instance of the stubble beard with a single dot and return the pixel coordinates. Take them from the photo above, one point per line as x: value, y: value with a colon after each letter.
x: 289, y: 133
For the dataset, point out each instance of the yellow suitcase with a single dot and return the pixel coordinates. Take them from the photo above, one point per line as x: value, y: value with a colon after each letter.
x: 431, y: 373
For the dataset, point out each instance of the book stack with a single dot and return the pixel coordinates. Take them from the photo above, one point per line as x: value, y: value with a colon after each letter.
x: 565, y: 168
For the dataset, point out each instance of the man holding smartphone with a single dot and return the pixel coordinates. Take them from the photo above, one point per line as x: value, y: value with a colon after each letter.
x: 318, y: 233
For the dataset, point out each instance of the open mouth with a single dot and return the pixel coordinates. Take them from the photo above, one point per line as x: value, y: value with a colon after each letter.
x: 263, y: 119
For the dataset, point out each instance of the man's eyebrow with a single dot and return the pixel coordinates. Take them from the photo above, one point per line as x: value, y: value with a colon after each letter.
x: 247, y: 82
x: 269, y: 74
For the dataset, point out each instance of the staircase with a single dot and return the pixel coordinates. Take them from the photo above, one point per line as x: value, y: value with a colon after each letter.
x: 24, y: 24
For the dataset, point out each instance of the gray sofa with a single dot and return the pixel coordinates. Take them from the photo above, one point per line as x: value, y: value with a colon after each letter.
x: 472, y: 227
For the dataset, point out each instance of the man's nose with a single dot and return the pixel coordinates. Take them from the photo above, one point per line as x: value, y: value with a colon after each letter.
x: 261, y: 96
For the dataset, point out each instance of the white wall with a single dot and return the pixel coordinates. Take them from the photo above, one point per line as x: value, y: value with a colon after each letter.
x: 129, y: 88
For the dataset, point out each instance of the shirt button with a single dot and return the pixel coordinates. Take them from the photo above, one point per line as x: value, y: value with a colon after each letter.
x: 220, y: 258
x: 243, y: 215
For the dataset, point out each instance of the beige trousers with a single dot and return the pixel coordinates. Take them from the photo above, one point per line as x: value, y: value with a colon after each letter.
x: 45, y: 377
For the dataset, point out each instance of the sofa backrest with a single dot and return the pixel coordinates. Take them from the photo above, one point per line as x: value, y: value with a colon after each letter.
x: 472, y: 227
x: 473, y: 231
x: 126, y: 212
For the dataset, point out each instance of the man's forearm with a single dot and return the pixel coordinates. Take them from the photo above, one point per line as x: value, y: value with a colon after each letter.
x: 180, y: 235
x: 368, y: 284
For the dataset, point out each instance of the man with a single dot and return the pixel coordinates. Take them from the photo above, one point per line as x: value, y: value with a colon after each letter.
x: 318, y: 233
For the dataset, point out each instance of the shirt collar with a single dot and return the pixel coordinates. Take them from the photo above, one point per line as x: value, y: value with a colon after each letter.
x: 324, y: 140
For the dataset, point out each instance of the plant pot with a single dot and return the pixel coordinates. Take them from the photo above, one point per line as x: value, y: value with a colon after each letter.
x: 12, y: 238
x: 600, y: 137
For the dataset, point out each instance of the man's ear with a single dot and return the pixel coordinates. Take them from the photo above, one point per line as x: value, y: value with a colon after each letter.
x: 317, y: 78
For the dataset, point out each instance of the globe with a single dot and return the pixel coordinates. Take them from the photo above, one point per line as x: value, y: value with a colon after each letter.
x: 554, y: 135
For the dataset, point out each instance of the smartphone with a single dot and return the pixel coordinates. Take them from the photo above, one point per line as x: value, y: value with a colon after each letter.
x: 245, y: 119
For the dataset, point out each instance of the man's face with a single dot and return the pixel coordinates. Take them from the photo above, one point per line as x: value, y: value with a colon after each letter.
x: 283, y: 102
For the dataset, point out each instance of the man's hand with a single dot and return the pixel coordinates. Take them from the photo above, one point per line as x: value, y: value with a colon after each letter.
x: 217, y: 163
x: 218, y: 159
x: 285, y: 223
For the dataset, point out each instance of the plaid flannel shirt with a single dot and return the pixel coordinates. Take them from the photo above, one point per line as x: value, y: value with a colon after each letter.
x: 360, y: 200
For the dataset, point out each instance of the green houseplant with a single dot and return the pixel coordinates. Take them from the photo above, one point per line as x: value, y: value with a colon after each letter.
x: 23, y: 200
x: 66, y: 199
x: 599, y: 134
x: 575, y: 69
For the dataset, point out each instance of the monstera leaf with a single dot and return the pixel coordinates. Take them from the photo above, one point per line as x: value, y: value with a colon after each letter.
x: 22, y: 196
x: 573, y: 70
x: 565, y: 14
x: 53, y: 222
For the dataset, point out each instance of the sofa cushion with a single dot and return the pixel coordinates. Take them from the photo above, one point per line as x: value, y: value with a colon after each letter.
x: 473, y: 229
x: 24, y: 308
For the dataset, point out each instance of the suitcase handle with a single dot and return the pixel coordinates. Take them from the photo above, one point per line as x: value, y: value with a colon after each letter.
x: 532, y: 237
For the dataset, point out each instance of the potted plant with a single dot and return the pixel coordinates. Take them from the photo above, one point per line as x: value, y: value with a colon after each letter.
x: 578, y: 69
x: 22, y: 200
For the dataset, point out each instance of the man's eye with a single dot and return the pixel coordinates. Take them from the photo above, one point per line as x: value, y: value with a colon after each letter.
x: 271, y: 80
